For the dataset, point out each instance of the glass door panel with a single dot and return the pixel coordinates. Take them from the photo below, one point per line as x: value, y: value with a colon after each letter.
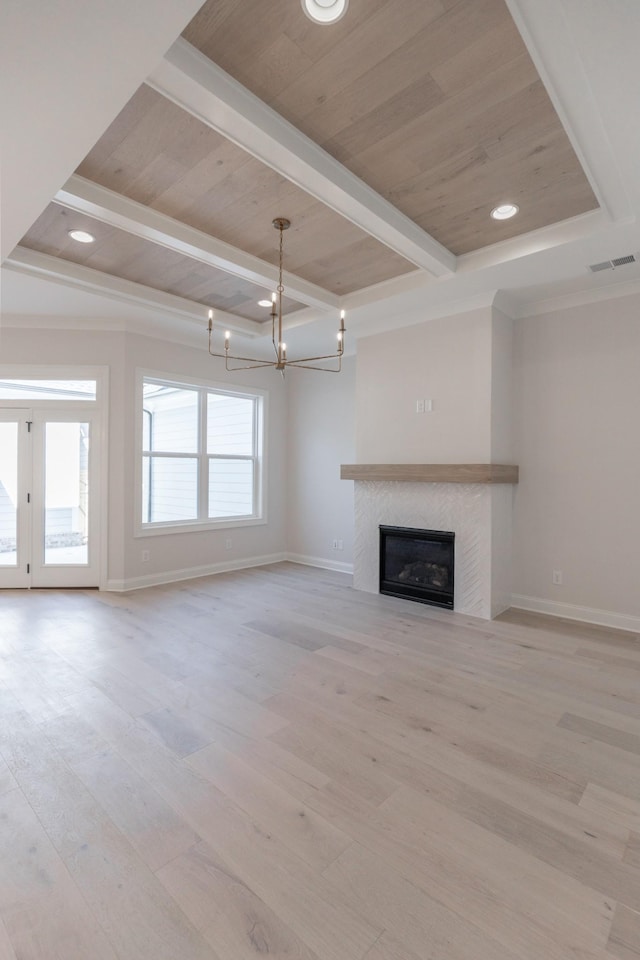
x: 66, y: 494
x: 15, y: 469
x: 9, y: 494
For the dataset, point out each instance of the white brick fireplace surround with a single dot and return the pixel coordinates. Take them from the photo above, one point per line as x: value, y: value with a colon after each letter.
x: 472, y: 500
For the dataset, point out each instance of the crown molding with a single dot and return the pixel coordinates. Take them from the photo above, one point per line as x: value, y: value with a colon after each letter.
x: 19, y: 321
x: 157, y: 328
x: 34, y: 264
x: 366, y: 326
x: 564, y: 233
x: 522, y: 309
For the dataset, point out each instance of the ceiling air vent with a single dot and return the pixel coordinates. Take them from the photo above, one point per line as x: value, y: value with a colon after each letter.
x: 612, y: 264
x: 620, y: 261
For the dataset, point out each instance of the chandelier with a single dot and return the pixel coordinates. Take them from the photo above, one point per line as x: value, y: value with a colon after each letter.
x: 280, y: 361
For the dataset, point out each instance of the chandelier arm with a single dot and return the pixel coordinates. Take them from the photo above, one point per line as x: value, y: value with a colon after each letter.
x: 303, y: 366
x: 252, y: 360
x: 328, y: 356
x: 251, y: 365
x: 269, y: 363
x: 234, y: 356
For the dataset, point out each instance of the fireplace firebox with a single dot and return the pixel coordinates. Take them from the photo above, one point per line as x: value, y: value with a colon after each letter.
x: 417, y: 565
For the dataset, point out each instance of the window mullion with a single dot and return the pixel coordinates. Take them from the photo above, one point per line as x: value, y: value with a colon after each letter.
x: 167, y: 455
x: 203, y: 464
x: 257, y: 471
x: 230, y: 456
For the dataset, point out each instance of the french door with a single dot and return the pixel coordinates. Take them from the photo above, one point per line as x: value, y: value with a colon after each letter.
x: 49, y: 498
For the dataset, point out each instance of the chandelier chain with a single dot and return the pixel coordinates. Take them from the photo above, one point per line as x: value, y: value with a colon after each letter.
x: 280, y: 283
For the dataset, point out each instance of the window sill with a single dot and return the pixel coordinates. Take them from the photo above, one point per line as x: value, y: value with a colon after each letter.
x: 196, y: 526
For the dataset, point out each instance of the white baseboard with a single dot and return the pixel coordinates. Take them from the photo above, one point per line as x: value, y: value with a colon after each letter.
x: 569, y: 611
x: 191, y: 573
x: 321, y: 562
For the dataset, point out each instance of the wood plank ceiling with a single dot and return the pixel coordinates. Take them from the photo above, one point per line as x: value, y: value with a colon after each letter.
x: 123, y: 255
x: 157, y: 154
x: 435, y: 104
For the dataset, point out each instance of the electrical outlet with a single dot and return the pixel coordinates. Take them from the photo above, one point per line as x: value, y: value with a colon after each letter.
x: 557, y: 578
x: 340, y: 545
x: 419, y: 406
x: 334, y: 544
x: 145, y: 556
x: 228, y: 543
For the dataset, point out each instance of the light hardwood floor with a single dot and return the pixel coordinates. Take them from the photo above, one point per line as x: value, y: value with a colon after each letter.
x: 267, y: 762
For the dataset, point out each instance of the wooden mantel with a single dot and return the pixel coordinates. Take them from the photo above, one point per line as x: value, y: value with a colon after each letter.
x: 431, y: 472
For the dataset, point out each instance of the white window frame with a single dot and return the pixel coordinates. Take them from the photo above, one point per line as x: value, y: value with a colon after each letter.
x: 100, y: 439
x: 40, y: 371
x: 144, y: 529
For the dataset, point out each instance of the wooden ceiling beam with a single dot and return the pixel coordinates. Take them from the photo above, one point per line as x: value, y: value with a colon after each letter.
x: 197, y: 85
x: 119, y: 211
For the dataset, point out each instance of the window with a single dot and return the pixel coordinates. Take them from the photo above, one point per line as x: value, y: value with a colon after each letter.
x: 47, y: 389
x: 201, y: 456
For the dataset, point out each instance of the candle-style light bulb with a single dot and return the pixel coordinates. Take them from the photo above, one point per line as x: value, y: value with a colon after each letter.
x: 227, y: 338
x: 210, y: 320
x: 283, y: 351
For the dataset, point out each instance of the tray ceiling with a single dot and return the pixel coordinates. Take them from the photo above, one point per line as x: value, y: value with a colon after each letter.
x: 126, y: 256
x: 434, y: 104
x: 157, y: 154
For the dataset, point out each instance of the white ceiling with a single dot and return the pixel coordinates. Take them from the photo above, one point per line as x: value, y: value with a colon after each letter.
x: 69, y: 69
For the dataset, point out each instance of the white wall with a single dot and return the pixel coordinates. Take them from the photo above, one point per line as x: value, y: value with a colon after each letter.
x: 447, y: 360
x: 501, y: 388
x: 123, y: 353
x: 577, y: 406
x: 321, y: 437
x: 182, y: 551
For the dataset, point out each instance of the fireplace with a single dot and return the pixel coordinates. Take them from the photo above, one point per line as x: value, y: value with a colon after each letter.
x: 417, y: 565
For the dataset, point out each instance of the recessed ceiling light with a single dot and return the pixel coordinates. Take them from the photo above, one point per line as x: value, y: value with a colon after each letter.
x: 264, y: 303
x: 325, y: 11
x: 81, y: 236
x: 505, y: 211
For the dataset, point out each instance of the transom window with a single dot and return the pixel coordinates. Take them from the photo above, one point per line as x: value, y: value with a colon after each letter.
x: 47, y: 389
x: 201, y: 455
